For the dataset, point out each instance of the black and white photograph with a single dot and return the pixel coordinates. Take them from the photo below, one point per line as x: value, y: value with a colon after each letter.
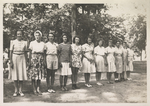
x: 56, y: 52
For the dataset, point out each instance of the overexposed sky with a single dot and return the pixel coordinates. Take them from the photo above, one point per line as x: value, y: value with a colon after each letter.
x: 126, y: 7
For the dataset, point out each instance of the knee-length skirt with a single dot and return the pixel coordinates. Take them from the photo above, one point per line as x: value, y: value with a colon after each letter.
x: 111, y: 63
x: 119, y: 65
x: 18, y: 72
x: 36, y: 70
x: 130, y: 64
x: 88, y: 67
x: 100, y: 64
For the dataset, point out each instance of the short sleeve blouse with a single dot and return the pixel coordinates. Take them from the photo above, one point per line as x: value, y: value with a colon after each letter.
x: 37, y: 47
x: 18, y: 46
x: 99, y: 50
x: 51, y: 48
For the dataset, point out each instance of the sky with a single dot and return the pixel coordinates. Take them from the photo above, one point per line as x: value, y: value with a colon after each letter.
x: 126, y: 7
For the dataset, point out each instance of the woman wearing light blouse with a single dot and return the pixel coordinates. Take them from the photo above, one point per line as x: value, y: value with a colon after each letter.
x: 110, y: 50
x: 118, y: 62
x: 130, y: 57
x: 88, y: 61
x: 51, y: 61
x: 100, y: 60
x: 36, y: 61
x: 18, y: 56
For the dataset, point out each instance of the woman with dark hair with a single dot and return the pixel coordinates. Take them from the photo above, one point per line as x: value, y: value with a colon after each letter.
x: 118, y: 62
x: 111, y: 61
x: 18, y: 56
x: 36, y: 61
x: 51, y: 61
x: 64, y: 50
x: 100, y: 60
x: 76, y: 60
x: 88, y: 60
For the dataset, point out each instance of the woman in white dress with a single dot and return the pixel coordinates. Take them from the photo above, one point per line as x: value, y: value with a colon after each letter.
x: 37, y: 62
x: 110, y: 50
x: 88, y: 61
x: 124, y: 60
x: 118, y: 62
x: 76, y: 50
x: 130, y: 55
x: 100, y: 60
x: 18, y: 56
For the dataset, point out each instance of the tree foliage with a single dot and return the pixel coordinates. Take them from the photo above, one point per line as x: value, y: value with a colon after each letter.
x: 89, y: 19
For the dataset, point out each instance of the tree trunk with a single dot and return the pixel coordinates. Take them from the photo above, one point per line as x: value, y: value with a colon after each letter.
x: 73, y: 21
x: 83, y: 10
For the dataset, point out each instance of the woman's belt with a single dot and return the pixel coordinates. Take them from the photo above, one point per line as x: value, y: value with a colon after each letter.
x: 37, y: 53
x: 18, y: 53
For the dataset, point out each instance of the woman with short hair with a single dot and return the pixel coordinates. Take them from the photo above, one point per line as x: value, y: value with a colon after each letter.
x: 37, y: 62
x: 118, y: 61
x: 64, y: 50
x: 76, y: 50
x: 18, y: 57
x: 88, y: 61
x: 100, y: 60
x: 110, y: 50
x: 51, y: 61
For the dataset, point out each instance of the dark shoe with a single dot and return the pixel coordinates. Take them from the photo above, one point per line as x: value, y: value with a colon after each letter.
x: 76, y: 87
x: 62, y: 88
x: 73, y: 86
x: 65, y: 88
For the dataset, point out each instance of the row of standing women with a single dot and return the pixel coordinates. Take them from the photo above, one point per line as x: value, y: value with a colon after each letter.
x: 66, y: 59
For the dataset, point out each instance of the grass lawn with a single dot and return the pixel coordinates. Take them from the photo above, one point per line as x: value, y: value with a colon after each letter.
x: 123, y: 92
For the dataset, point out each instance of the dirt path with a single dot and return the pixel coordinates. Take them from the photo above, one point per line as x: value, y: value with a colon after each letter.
x: 123, y: 92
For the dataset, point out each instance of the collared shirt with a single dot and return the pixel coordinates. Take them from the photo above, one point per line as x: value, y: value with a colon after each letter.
x: 118, y: 51
x: 18, y: 46
x: 37, y: 47
x: 99, y: 50
x: 130, y: 52
x: 110, y: 50
x: 51, y: 48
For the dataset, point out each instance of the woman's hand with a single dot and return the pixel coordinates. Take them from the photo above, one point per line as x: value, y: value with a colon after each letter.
x: 70, y: 64
x: 45, y: 65
x: 11, y: 64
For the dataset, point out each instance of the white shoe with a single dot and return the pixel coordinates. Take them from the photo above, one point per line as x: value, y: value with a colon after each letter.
x: 51, y: 91
x: 15, y: 94
x: 88, y: 85
x: 21, y: 94
x: 129, y: 79
x: 98, y: 83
